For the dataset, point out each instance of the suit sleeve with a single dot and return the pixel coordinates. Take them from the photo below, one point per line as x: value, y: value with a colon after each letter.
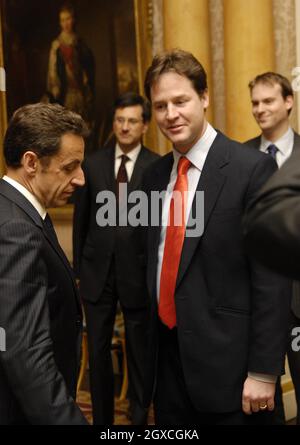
x: 271, y: 224
x: 28, y: 362
x: 271, y: 295
x: 80, y: 221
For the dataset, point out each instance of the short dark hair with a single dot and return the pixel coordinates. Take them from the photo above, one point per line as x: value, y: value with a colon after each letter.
x: 39, y: 128
x: 271, y: 78
x: 131, y: 99
x: 180, y: 62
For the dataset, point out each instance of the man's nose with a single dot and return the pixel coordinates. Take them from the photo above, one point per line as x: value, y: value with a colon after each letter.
x: 79, y: 179
x: 125, y: 125
x: 172, y: 112
x: 260, y: 108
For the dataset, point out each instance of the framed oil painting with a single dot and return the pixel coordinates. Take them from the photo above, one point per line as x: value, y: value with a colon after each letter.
x: 77, y: 53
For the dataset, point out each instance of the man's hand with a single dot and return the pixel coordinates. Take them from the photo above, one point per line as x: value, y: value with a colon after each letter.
x: 257, y: 396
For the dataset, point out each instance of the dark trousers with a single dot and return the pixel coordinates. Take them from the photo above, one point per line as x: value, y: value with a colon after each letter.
x: 100, y: 317
x: 294, y: 365
x: 172, y: 404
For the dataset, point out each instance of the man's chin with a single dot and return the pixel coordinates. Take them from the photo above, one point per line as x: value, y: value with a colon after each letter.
x: 125, y: 141
x: 264, y: 124
x: 60, y: 202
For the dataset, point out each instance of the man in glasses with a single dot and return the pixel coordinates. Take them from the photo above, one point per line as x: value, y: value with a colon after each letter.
x: 109, y: 260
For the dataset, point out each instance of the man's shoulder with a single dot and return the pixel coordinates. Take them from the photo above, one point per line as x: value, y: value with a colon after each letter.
x: 253, y: 142
x: 5, y: 209
x: 241, y: 151
x: 15, y: 206
x: 296, y: 140
x: 10, y: 212
x: 149, y: 154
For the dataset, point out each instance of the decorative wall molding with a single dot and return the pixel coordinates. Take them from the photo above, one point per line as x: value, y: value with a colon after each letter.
x: 285, y: 19
x: 218, y: 73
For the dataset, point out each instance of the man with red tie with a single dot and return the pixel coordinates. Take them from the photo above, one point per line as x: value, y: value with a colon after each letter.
x: 219, y: 320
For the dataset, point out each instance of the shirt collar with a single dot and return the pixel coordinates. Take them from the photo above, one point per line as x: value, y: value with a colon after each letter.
x: 197, y: 154
x: 282, y: 143
x: 28, y: 195
x: 132, y: 154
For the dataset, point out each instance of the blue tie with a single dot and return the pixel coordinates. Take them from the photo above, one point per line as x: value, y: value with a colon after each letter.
x: 272, y: 150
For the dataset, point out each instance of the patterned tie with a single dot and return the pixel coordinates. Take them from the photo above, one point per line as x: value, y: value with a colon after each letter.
x: 272, y: 150
x: 122, y: 173
x: 173, y: 247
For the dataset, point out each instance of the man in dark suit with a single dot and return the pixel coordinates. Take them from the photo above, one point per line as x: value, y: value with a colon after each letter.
x: 40, y: 307
x: 218, y: 323
x: 271, y: 224
x: 272, y: 102
x: 109, y: 260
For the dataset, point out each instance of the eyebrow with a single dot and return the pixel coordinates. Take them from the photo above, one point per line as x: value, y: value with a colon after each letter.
x: 73, y: 162
x: 262, y: 100
x: 181, y: 96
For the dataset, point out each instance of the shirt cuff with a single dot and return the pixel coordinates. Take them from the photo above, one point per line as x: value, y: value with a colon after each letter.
x: 267, y: 378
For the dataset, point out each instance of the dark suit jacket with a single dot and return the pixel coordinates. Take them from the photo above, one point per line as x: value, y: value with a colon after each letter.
x: 271, y: 225
x: 41, y: 315
x: 255, y: 142
x: 232, y: 314
x: 295, y: 306
x: 94, y: 246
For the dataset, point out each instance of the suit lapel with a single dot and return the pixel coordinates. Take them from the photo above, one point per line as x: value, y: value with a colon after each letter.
x: 161, y: 176
x: 15, y: 196
x: 296, y: 145
x: 211, y: 182
x: 138, y: 170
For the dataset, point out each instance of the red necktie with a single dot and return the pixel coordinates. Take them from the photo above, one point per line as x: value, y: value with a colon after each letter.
x: 173, y: 246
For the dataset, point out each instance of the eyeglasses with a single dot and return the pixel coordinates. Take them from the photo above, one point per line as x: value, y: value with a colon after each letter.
x: 131, y: 121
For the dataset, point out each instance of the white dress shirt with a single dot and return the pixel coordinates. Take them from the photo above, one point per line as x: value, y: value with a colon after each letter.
x: 28, y: 195
x: 284, y: 144
x: 132, y: 157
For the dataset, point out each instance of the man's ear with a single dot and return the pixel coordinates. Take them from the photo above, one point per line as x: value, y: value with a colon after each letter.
x: 289, y: 102
x: 146, y: 126
x: 205, y: 99
x: 30, y: 162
